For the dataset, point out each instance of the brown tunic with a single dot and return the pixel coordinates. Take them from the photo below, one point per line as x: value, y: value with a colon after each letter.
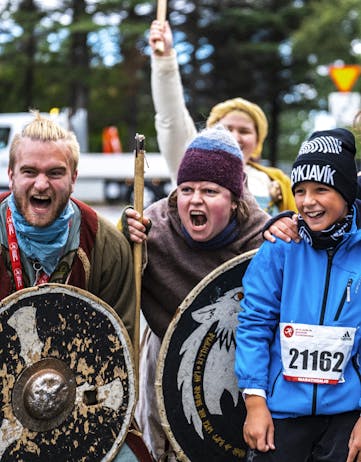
x: 174, y: 268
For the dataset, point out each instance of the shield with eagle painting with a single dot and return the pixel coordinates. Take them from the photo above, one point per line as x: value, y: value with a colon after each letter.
x: 200, y: 405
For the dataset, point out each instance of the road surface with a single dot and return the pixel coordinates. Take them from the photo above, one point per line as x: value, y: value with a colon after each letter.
x: 111, y: 212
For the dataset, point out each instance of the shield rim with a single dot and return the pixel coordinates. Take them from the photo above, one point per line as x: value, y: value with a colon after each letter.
x: 118, y: 325
x: 188, y: 300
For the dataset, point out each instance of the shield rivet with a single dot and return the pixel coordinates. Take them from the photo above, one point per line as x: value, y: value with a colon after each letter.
x: 44, y: 394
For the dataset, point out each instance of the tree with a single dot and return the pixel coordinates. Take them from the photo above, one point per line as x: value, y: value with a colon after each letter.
x: 244, y: 46
x: 268, y: 51
x: 336, y: 33
x: 21, y: 54
x: 28, y: 15
x: 79, y: 56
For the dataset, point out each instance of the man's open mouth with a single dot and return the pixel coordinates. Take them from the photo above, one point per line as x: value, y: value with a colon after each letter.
x: 40, y: 201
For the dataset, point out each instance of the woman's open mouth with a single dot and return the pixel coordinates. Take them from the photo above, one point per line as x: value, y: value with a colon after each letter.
x: 198, y: 218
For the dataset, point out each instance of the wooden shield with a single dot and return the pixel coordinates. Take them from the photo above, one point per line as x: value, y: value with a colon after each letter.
x: 67, y: 382
x: 201, y: 408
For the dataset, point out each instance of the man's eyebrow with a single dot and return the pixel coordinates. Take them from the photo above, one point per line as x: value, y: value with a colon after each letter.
x: 50, y: 169
x: 57, y: 167
x: 27, y: 167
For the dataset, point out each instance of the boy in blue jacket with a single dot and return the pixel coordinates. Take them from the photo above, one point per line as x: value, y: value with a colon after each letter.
x: 298, y: 338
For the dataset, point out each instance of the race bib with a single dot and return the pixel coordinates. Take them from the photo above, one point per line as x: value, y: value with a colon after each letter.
x: 315, y: 354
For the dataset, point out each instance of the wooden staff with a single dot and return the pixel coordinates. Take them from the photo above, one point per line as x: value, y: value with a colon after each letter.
x: 161, y: 17
x: 137, y: 248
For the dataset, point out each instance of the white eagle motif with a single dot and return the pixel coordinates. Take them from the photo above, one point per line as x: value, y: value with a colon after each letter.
x: 219, y: 369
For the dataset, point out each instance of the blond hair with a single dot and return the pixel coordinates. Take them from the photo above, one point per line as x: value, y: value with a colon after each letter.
x: 254, y: 111
x: 44, y: 129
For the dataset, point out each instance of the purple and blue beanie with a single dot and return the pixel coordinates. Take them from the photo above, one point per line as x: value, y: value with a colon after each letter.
x: 214, y: 155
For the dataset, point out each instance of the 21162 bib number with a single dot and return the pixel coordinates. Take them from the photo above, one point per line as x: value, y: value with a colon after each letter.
x: 315, y: 360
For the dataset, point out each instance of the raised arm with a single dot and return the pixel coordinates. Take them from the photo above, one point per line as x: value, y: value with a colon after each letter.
x: 175, y: 127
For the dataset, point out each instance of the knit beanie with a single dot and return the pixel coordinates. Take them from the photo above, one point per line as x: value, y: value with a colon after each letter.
x: 328, y: 157
x: 213, y: 155
x: 254, y: 111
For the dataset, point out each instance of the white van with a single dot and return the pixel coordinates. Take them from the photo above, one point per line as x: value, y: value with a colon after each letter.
x: 101, y: 177
x: 10, y: 124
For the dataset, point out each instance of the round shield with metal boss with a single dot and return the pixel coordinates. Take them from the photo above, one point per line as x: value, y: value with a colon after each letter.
x: 67, y: 381
x: 200, y: 405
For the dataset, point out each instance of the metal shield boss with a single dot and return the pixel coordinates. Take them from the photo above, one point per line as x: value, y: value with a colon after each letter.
x: 200, y: 405
x: 67, y: 382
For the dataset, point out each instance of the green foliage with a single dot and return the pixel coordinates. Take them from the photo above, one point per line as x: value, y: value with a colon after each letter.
x: 94, y: 55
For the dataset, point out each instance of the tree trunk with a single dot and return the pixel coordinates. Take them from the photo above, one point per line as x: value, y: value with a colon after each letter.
x: 79, y: 90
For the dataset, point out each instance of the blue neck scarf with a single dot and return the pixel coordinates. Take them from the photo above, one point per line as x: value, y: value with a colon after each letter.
x: 225, y: 237
x: 42, y: 244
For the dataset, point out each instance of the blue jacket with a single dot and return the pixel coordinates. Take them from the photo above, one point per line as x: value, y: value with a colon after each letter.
x: 294, y: 283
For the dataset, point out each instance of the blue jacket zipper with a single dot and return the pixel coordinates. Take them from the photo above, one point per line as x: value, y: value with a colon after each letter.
x: 330, y: 254
x: 345, y: 297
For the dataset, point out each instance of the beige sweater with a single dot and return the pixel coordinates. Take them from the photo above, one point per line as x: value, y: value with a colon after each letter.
x: 175, y: 129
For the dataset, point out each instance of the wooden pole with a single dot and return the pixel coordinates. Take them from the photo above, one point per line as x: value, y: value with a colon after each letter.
x: 161, y: 17
x: 137, y: 248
